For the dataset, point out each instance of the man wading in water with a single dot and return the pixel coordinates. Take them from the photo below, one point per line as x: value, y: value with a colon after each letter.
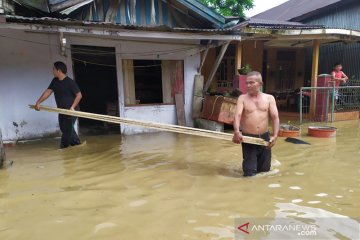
x: 67, y: 96
x: 252, y: 119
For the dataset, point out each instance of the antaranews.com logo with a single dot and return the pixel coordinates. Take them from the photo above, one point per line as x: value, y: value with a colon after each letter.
x: 295, y: 228
x: 300, y: 229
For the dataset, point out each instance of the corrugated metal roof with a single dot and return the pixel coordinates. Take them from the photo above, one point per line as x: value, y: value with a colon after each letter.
x: 252, y: 23
x: 39, y: 4
x: 345, y: 17
x: 63, y: 22
x: 60, y: 5
x: 274, y: 24
x: 296, y: 8
x: 173, y: 13
x: 255, y: 23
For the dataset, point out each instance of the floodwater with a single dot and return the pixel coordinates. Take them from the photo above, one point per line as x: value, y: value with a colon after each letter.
x: 170, y: 186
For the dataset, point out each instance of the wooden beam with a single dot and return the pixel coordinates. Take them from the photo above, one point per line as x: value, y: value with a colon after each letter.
x: 203, y: 58
x: 314, y: 74
x: 180, y: 109
x: 238, y: 57
x: 129, y: 81
x: 198, y: 95
x: 168, y: 73
x: 216, y: 65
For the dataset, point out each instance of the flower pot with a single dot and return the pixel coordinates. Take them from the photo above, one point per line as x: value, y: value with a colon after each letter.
x: 287, y: 130
x: 322, y: 132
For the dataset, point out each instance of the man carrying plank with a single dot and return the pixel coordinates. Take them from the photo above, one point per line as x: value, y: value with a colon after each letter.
x: 252, y: 119
x: 67, y: 96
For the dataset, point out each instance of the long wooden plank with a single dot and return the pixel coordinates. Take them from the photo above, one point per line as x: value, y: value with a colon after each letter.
x: 158, y: 126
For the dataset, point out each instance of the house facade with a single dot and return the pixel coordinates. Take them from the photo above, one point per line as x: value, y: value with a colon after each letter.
x: 336, y: 14
x: 129, y: 58
x: 291, y: 45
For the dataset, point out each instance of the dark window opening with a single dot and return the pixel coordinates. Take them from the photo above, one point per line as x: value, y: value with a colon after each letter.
x: 286, y: 56
x: 95, y: 73
x: 148, y: 81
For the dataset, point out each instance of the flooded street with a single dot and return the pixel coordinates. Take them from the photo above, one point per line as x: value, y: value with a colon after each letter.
x: 170, y: 186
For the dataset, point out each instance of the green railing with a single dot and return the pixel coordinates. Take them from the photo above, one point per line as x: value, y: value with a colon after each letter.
x: 329, y: 100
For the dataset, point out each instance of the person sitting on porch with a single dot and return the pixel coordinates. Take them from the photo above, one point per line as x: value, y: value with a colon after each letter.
x: 338, y: 77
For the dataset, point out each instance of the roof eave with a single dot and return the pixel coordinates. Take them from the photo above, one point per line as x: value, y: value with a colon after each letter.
x: 120, y: 31
x: 322, y: 33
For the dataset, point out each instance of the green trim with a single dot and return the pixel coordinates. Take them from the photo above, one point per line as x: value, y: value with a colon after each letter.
x: 204, y: 11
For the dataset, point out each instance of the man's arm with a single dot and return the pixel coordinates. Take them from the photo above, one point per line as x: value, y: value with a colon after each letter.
x: 274, y: 114
x: 237, y: 138
x: 76, y: 101
x: 42, y: 98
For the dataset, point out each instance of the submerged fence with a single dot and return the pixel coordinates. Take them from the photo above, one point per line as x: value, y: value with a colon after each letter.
x: 332, y: 104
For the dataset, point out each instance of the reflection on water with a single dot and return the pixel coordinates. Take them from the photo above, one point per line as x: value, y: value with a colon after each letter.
x: 169, y: 186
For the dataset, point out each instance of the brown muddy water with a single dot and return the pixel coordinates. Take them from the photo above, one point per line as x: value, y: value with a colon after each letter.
x: 169, y: 186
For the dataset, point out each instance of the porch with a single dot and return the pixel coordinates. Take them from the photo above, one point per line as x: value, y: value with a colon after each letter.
x: 287, y: 56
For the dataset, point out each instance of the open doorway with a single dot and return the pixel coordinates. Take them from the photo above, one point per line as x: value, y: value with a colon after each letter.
x: 95, y: 73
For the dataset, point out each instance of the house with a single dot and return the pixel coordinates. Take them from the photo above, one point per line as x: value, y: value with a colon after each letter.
x: 335, y: 14
x: 129, y: 58
x: 291, y: 45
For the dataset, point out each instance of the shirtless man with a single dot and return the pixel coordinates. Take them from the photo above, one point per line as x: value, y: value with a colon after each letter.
x: 252, y: 119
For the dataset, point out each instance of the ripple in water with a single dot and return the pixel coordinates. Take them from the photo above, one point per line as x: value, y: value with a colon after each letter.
x: 138, y: 203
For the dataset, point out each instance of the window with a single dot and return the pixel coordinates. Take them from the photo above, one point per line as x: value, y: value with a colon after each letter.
x: 225, y: 72
x: 148, y: 81
x: 152, y: 81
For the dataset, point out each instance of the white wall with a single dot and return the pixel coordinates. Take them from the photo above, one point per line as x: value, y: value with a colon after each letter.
x: 157, y: 113
x: 26, y: 71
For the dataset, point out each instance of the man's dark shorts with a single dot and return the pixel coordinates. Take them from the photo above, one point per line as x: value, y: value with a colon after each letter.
x: 256, y: 158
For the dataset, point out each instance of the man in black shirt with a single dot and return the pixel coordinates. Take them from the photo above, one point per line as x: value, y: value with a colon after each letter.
x: 67, y: 96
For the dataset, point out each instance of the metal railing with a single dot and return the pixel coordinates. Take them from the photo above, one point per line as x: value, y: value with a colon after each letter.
x: 330, y: 101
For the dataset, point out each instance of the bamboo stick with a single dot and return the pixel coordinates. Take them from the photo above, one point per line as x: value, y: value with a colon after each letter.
x: 153, y: 125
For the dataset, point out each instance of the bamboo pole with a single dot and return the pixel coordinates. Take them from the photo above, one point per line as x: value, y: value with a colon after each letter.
x: 153, y: 125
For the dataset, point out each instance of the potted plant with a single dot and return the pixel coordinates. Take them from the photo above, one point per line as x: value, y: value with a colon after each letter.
x: 289, y: 130
x: 245, y: 69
